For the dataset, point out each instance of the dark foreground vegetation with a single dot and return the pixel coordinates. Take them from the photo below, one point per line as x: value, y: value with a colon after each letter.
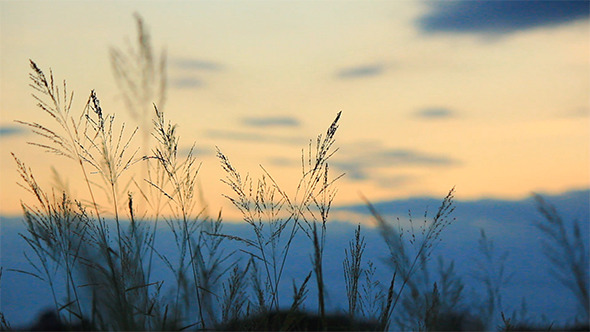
x: 104, y: 254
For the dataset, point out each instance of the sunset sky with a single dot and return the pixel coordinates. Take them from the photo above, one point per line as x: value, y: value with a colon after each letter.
x: 490, y: 97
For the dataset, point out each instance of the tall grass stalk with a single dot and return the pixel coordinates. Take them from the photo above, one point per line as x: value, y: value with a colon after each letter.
x: 62, y: 232
x: 141, y: 78
x: 93, y: 141
x: 268, y: 205
x: 353, y: 271
x: 55, y: 234
x: 263, y: 211
x: 234, y: 294
x: 181, y: 178
x: 372, y: 297
x: 57, y: 103
x: 142, y: 81
x: 404, y: 264
x: 491, y: 272
x: 313, y: 198
x: 4, y: 324
x: 569, y: 254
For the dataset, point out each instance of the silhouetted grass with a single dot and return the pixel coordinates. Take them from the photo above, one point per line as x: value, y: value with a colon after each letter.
x: 568, y: 252
x: 114, y: 267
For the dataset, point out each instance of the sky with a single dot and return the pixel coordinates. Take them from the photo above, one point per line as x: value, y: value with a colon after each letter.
x: 491, y: 97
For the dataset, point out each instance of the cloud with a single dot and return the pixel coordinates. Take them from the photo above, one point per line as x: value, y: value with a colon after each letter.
x: 187, y: 82
x: 271, y: 121
x: 198, y: 151
x: 254, y: 137
x: 6, y: 131
x: 400, y: 180
x: 196, y: 64
x: 367, y: 161
x: 188, y: 71
x: 353, y: 172
x: 395, y: 157
x: 434, y: 113
x: 500, y: 17
x: 359, y: 167
x: 361, y: 71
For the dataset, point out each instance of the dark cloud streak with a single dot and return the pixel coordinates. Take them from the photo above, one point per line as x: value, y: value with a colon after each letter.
x: 361, y: 71
x: 368, y: 162
x: 434, y: 113
x: 271, y: 121
x: 6, y: 131
x: 500, y: 17
x: 358, y: 166
x: 199, y: 151
x: 196, y: 64
x: 410, y: 157
x: 188, y: 72
x: 186, y: 83
x: 254, y: 137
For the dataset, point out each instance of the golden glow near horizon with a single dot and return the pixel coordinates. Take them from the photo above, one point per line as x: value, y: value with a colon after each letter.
x: 501, y: 114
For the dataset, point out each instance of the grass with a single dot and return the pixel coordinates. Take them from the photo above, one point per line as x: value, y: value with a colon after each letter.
x: 105, y: 254
x: 113, y: 264
x: 568, y: 252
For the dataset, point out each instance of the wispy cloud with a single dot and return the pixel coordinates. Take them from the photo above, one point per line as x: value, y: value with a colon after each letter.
x: 371, y: 161
x: 199, y: 151
x: 434, y: 113
x: 500, y: 17
x: 187, y: 73
x: 368, y: 70
x: 355, y: 171
x: 271, y: 121
x: 6, y: 131
x: 254, y: 137
x: 398, y: 180
x: 359, y: 166
x: 186, y: 82
x: 195, y: 64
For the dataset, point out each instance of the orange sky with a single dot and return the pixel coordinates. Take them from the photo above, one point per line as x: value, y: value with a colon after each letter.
x: 496, y: 111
